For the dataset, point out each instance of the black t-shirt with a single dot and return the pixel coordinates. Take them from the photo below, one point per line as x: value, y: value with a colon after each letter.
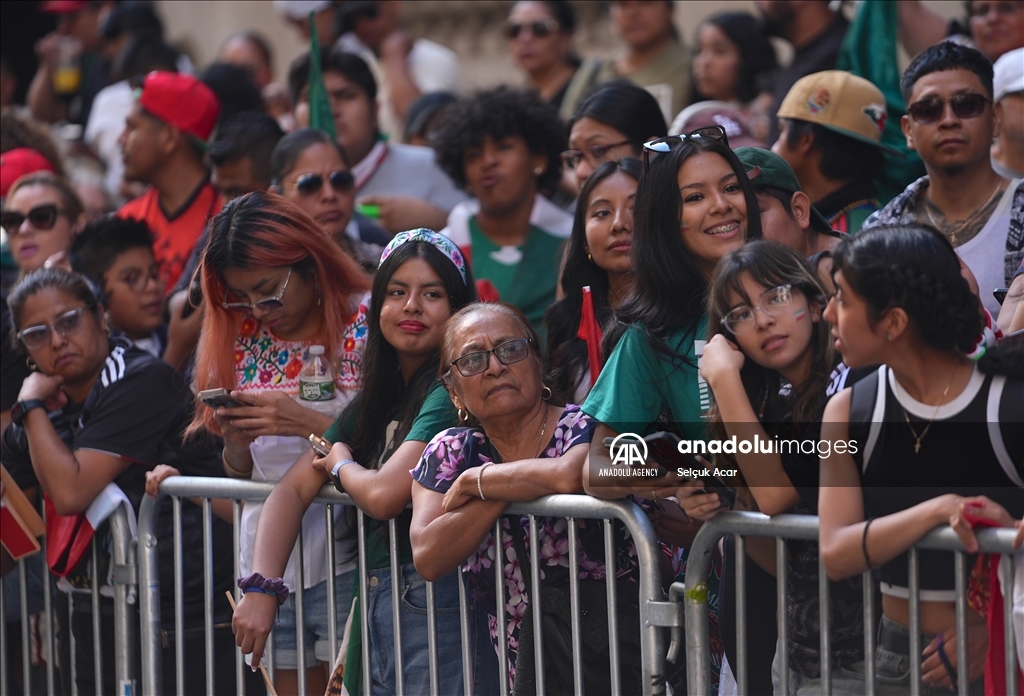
x: 13, y: 368
x: 138, y: 410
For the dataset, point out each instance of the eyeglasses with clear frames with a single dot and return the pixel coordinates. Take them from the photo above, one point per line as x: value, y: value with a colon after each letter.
x: 38, y: 336
x: 268, y: 304
x: 507, y: 353
x: 742, y: 319
x: 595, y: 154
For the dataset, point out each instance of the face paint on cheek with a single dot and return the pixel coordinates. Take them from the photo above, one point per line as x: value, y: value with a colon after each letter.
x: 800, y: 315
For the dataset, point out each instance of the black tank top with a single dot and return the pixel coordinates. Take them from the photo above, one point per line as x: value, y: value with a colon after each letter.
x: 974, y: 445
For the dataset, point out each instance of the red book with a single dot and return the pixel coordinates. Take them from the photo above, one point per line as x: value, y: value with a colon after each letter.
x: 20, y: 524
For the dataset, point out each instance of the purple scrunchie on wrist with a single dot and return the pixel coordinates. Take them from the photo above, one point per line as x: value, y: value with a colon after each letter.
x: 258, y: 583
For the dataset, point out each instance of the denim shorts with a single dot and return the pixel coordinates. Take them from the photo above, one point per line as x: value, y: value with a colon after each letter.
x: 412, y: 592
x: 317, y: 629
x: 892, y: 663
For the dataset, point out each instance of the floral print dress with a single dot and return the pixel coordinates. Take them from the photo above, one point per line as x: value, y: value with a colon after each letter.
x: 457, y: 449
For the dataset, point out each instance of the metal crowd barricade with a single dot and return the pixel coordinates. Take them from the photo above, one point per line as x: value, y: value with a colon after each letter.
x: 656, y: 614
x: 124, y: 586
x: 694, y: 595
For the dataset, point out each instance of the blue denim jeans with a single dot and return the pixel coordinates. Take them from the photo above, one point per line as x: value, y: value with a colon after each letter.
x: 317, y: 629
x: 892, y: 663
x: 412, y: 591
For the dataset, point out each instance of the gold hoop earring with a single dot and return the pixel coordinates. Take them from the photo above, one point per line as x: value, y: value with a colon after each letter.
x: 463, y: 415
x: 546, y: 397
x: 589, y: 257
x: 30, y: 363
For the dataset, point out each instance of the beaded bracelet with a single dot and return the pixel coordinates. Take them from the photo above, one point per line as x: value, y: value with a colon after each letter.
x: 479, y: 480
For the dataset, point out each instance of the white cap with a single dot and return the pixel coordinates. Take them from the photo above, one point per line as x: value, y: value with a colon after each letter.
x: 1009, y: 74
x: 300, y: 9
x: 316, y: 350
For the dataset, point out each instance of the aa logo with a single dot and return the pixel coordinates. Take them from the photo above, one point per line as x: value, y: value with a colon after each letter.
x: 628, y: 449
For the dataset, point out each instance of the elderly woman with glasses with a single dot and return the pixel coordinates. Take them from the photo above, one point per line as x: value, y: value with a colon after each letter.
x: 275, y: 286
x: 515, y: 445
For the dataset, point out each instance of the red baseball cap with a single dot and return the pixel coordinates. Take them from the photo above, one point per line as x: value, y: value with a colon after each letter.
x: 63, y: 6
x: 18, y: 162
x: 182, y: 101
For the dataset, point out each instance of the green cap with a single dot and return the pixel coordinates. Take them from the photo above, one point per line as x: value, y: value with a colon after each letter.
x: 777, y: 173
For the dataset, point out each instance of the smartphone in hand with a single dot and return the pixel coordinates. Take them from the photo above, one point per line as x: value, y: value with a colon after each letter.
x: 219, y: 398
x: 321, y: 446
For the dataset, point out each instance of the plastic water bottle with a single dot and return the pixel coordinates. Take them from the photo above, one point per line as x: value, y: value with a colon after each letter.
x: 316, y: 379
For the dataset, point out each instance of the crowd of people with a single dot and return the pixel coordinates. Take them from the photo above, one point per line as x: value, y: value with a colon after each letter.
x: 687, y: 237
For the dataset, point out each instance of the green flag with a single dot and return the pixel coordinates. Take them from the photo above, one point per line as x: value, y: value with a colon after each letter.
x: 319, y: 108
x: 869, y: 51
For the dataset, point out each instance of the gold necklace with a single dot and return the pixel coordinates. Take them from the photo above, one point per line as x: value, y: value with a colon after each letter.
x: 543, y: 429
x: 952, y: 235
x: 906, y: 416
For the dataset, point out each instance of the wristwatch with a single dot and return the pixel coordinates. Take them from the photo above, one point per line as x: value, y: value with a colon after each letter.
x: 21, y: 409
x: 334, y: 472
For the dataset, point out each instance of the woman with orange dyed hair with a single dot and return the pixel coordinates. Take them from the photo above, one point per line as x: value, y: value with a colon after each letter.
x: 275, y: 284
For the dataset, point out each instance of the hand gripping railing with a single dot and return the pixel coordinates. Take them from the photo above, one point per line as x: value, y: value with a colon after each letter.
x: 655, y: 613
x: 694, y: 595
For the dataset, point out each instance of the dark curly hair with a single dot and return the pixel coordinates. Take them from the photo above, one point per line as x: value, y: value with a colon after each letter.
x: 500, y: 113
x: 914, y: 267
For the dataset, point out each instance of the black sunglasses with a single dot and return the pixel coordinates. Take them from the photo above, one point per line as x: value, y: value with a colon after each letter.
x: 539, y: 28
x: 42, y: 217
x: 931, y: 110
x: 309, y: 184
x: 665, y: 145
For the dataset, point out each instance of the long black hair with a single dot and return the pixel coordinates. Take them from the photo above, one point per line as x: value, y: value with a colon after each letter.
x: 386, y: 395
x: 758, y: 62
x: 669, y: 292
x: 566, y: 357
x: 914, y: 267
x: 629, y: 109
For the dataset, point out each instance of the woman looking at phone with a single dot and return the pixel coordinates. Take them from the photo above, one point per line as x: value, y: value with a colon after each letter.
x: 276, y: 284
x: 422, y: 279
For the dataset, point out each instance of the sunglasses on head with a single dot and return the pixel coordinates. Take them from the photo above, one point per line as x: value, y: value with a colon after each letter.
x: 932, y: 109
x: 309, y: 184
x: 665, y: 145
x: 539, y: 28
x: 42, y: 217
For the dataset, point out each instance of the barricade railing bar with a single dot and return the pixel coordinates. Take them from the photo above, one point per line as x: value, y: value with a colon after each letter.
x: 124, y: 586
x: 656, y: 614
x: 693, y: 594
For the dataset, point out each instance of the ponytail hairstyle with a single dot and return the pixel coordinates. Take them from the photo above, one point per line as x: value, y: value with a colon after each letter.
x: 914, y: 267
x: 264, y: 230
x: 566, y: 357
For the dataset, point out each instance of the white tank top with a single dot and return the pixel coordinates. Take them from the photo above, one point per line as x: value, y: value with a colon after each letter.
x: 985, y: 254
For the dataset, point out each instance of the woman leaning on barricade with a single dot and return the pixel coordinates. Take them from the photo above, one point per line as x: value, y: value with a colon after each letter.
x: 422, y: 279
x: 771, y: 368
x: 935, y: 430
x: 691, y: 210
x: 95, y: 414
x: 516, y: 445
x: 277, y: 285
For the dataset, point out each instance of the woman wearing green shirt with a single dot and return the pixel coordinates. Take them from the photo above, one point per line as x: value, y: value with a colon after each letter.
x: 503, y: 146
x: 421, y: 280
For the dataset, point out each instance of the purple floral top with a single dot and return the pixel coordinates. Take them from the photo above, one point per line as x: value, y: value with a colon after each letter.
x: 457, y: 449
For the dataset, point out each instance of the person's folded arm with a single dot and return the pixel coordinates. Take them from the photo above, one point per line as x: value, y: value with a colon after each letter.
x: 442, y: 540
x: 380, y: 493
x: 615, y: 488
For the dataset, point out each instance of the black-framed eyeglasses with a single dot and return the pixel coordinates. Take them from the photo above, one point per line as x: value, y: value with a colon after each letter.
x: 309, y: 184
x: 742, y: 319
x: 507, y: 353
x: 38, y: 336
x: 1003, y: 9
x: 42, y: 217
x: 926, y: 111
x: 266, y: 305
x: 596, y: 154
x: 540, y: 28
x: 665, y: 145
